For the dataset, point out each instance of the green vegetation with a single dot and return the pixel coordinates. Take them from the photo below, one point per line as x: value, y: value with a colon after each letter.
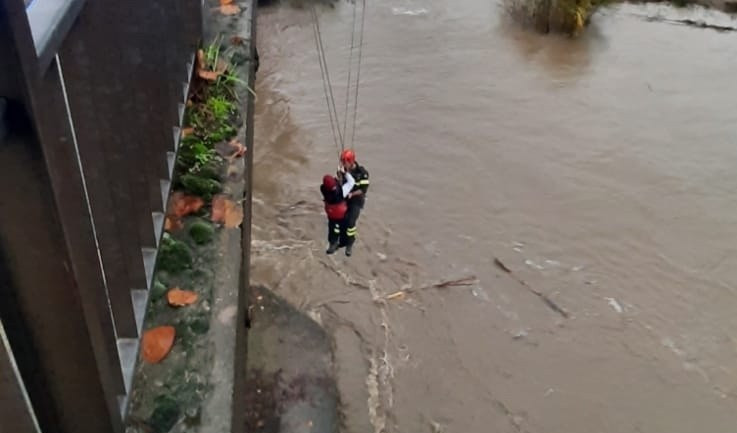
x: 174, y: 256
x: 158, y: 290
x: 199, y: 186
x: 165, y: 414
x: 201, y: 232
x: 211, y: 117
x: 174, y: 388
x: 570, y: 16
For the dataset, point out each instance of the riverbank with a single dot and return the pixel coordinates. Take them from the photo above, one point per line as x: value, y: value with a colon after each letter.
x: 572, y: 16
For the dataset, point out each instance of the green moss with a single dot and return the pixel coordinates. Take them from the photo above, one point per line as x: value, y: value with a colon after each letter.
x: 200, y: 274
x: 191, y: 327
x: 194, y: 152
x: 220, y: 108
x: 158, y: 290
x: 201, y: 232
x: 165, y: 414
x: 199, y: 325
x: 210, y: 170
x: 162, y: 276
x: 201, y: 187
x: 174, y: 256
x: 222, y: 132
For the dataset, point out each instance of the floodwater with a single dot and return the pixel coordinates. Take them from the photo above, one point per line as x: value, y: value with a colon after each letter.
x: 600, y: 171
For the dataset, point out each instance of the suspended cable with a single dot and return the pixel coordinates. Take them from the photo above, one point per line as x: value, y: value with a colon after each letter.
x: 350, y: 68
x: 324, y: 83
x: 358, y: 70
x: 323, y: 59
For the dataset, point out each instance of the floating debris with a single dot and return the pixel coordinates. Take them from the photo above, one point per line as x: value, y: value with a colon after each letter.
x: 436, y: 427
x: 397, y: 295
x: 532, y: 264
x: 462, y: 282
x: 480, y: 293
x: 615, y: 305
x: 549, y: 302
x: 520, y: 334
x: 410, y: 12
x: 688, y: 22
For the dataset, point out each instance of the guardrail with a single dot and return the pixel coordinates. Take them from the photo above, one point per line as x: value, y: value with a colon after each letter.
x: 93, y: 96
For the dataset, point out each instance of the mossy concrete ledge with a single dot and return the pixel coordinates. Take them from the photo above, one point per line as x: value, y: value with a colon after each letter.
x: 192, y: 389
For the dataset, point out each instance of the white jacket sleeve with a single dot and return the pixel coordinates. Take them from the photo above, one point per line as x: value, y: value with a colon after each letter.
x: 350, y: 182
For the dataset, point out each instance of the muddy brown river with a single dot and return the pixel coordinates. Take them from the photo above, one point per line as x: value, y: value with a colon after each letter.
x: 600, y: 171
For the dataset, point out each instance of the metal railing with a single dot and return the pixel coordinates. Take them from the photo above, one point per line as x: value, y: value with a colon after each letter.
x: 93, y: 100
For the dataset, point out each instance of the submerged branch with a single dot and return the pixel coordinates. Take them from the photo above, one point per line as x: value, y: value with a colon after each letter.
x: 549, y: 302
x: 690, y: 23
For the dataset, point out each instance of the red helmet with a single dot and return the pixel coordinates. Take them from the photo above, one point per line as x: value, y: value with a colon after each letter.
x: 348, y: 156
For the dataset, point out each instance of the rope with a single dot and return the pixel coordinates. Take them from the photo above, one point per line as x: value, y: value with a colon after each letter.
x: 340, y: 137
x: 327, y: 86
x: 350, y: 67
x: 358, y: 71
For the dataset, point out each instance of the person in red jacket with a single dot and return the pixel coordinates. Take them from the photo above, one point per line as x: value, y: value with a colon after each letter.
x: 334, y: 195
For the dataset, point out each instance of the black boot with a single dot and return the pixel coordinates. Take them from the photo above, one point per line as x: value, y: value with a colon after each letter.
x: 332, y: 248
x: 349, y: 250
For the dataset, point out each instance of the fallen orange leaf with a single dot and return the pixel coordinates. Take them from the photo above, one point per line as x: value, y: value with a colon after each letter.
x: 240, y: 149
x: 209, y: 75
x: 218, y: 208
x: 186, y: 132
x: 233, y: 215
x: 157, y: 343
x: 203, y: 70
x: 213, y: 75
x: 182, y: 205
x: 172, y: 224
x: 180, y: 298
x: 229, y: 9
x: 226, y: 211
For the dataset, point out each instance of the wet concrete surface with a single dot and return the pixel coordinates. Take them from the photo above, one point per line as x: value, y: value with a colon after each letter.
x: 290, y: 381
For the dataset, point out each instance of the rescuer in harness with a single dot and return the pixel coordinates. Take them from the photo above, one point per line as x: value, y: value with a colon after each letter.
x: 356, y: 198
x: 336, y: 206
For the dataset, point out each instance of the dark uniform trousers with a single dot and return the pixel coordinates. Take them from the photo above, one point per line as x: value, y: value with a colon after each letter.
x: 355, y: 205
x: 334, y: 231
x: 349, y: 223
